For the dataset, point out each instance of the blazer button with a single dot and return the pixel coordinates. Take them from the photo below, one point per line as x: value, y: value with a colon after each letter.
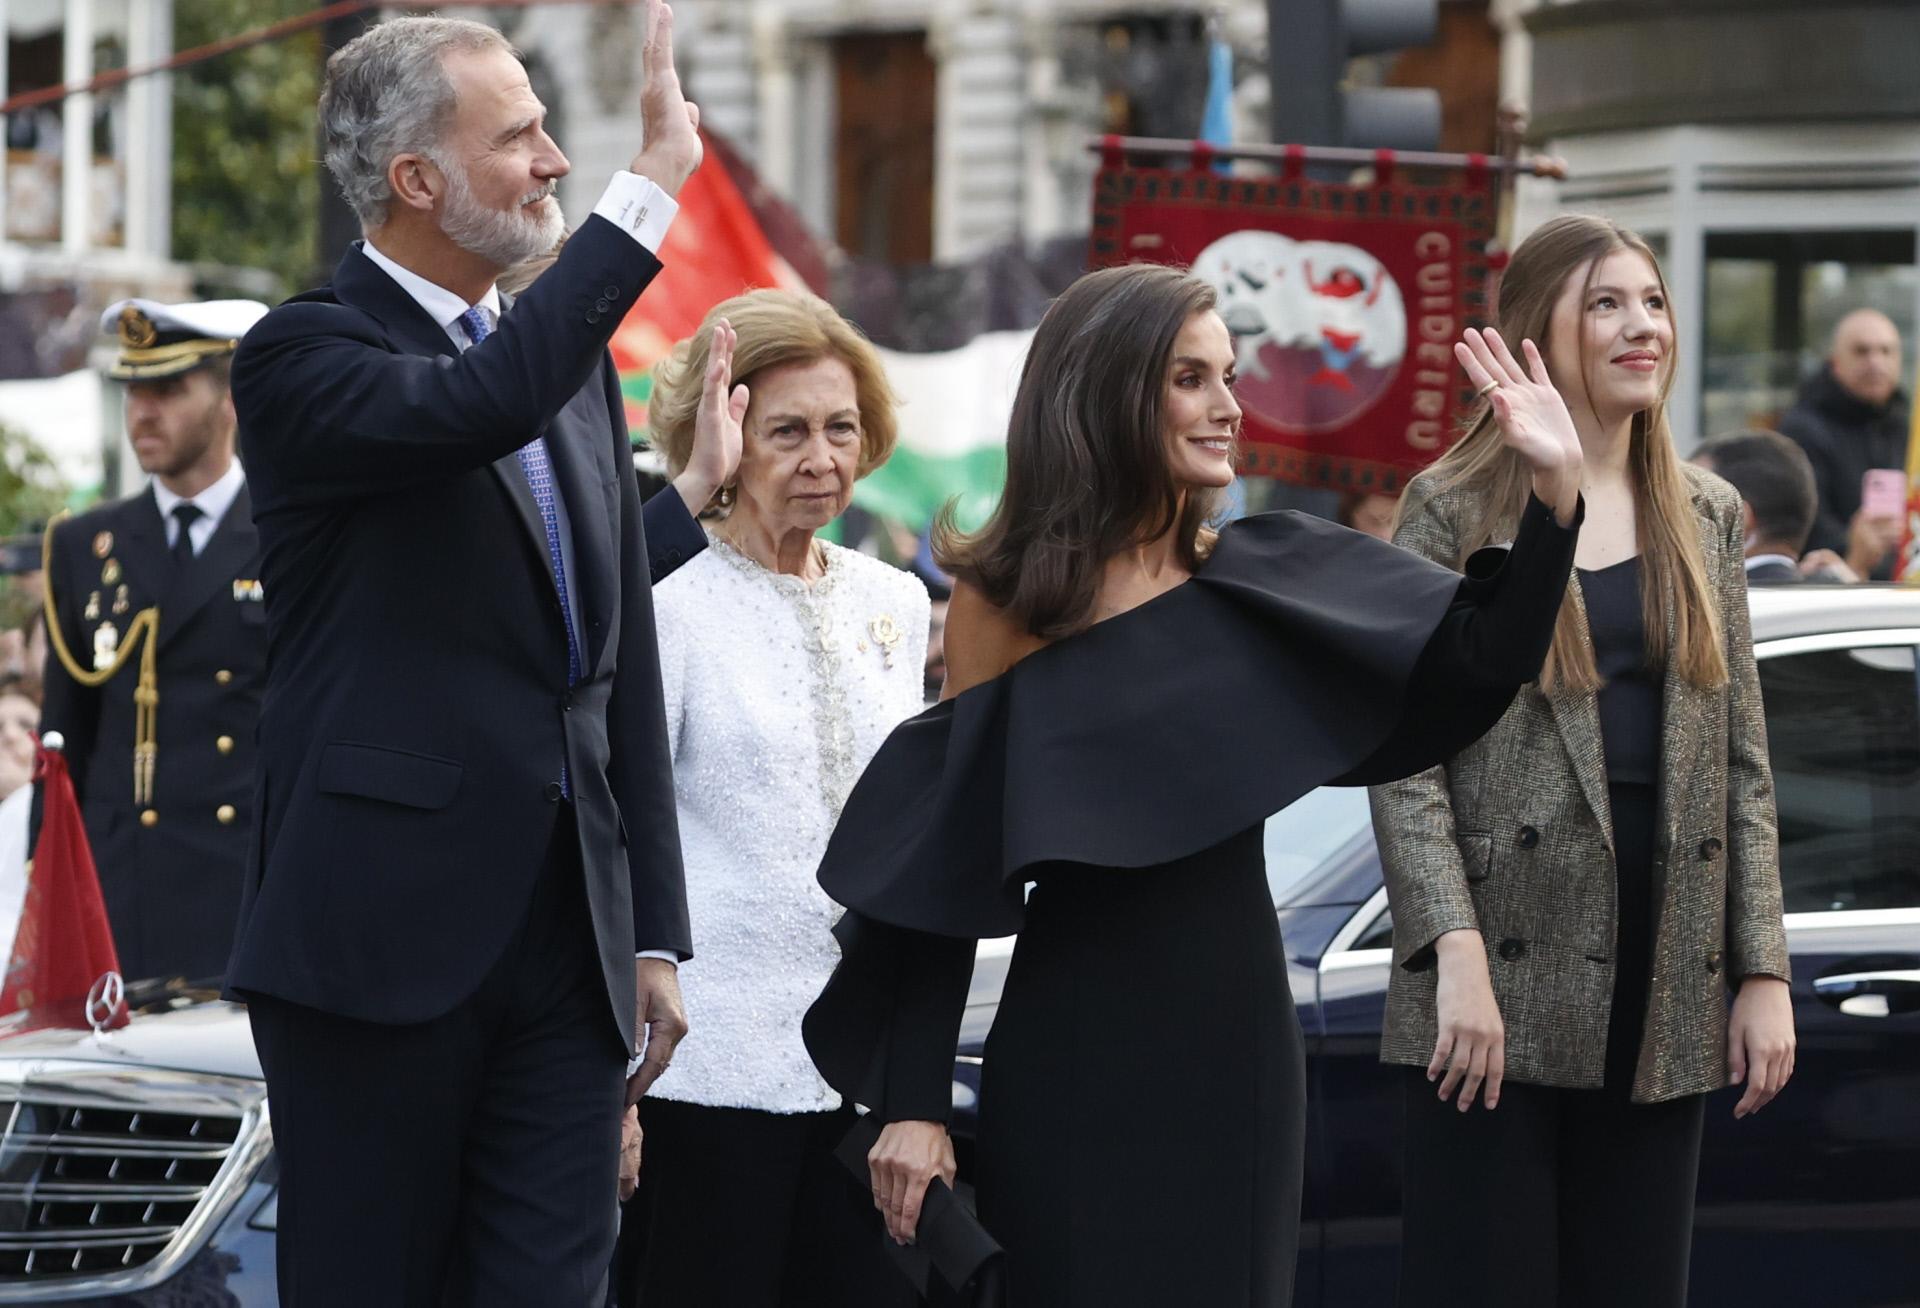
x: 1710, y: 849
x: 223, y: 677
x: 226, y: 813
x: 1511, y: 949
x: 593, y: 318
x: 673, y: 556
x: 148, y: 817
x: 1528, y: 837
x: 611, y: 291
x: 1713, y: 963
x: 552, y: 792
x: 224, y: 744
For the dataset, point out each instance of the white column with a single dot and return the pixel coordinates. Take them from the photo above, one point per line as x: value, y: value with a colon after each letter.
x: 1686, y: 270
x: 773, y: 58
x: 977, y: 131
x: 150, y: 132
x: 76, y: 130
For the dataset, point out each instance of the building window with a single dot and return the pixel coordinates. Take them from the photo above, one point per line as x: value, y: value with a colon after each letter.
x: 885, y: 85
x: 1772, y: 299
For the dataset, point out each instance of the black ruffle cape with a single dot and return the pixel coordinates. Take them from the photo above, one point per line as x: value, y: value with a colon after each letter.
x: 1301, y: 654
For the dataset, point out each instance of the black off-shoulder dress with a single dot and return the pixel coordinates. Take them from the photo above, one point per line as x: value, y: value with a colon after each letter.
x: 1142, y: 1109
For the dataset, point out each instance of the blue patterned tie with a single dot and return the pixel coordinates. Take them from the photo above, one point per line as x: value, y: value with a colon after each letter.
x: 539, y: 472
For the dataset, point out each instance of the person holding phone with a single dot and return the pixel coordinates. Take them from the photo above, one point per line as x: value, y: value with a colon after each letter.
x: 1852, y: 419
x: 1576, y: 894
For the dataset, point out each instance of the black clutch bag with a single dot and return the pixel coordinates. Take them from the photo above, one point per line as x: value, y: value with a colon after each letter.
x: 952, y: 1260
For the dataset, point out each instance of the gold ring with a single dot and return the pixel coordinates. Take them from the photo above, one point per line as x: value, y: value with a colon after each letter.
x: 1486, y: 390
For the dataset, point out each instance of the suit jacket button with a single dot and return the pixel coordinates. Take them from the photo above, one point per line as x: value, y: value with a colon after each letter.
x: 1511, y: 948
x: 612, y: 292
x: 224, y: 744
x: 226, y: 813
x: 148, y: 817
x: 1713, y: 963
x: 673, y: 556
x: 1710, y: 849
x: 552, y: 792
x: 223, y: 677
x: 593, y: 318
x: 1528, y: 837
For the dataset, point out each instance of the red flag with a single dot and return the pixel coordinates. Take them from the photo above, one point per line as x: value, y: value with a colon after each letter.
x: 715, y: 250
x: 63, y: 946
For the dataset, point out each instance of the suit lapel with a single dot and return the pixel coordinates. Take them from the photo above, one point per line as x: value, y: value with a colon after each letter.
x: 361, y: 282
x: 1578, y: 717
x: 232, y: 546
x: 144, y: 559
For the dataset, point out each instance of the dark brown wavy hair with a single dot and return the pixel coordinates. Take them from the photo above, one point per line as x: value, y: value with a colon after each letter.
x: 1088, y: 469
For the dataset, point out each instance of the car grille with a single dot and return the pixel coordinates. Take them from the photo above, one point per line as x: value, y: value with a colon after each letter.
x: 111, y: 1176
x: 88, y: 1189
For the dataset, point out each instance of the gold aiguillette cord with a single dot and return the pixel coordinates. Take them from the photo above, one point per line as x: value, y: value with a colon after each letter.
x: 143, y: 633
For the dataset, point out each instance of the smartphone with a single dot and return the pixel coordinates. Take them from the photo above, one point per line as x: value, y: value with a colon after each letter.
x: 1883, y: 493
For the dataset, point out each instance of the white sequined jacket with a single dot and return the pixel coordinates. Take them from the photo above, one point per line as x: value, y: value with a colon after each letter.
x: 777, y: 695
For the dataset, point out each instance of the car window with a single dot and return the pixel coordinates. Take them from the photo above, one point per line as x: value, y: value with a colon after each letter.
x: 1379, y: 933
x: 1306, y: 833
x: 1843, y: 728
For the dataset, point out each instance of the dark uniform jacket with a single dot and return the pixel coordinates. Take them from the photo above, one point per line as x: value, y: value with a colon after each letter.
x: 419, y: 720
x: 171, y: 870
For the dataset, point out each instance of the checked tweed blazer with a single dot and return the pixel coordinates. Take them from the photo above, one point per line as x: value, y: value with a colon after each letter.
x: 1514, y: 837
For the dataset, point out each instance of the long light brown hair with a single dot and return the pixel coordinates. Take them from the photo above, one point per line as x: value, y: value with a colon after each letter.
x: 1089, y: 473
x: 1672, y: 573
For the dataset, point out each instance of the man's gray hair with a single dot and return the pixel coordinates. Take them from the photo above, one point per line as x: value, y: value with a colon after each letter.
x: 388, y: 93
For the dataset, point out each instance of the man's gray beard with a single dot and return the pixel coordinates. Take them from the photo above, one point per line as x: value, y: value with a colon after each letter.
x: 500, y: 237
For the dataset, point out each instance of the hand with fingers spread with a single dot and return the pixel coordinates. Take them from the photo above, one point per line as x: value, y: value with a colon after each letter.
x: 670, y: 126
x: 659, y: 1012
x: 1760, y: 1042
x: 902, y: 1163
x: 717, y: 437
x: 1533, y: 418
x: 1472, y: 1044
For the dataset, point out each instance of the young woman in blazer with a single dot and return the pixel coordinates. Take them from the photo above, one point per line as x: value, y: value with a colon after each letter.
x: 1575, y: 894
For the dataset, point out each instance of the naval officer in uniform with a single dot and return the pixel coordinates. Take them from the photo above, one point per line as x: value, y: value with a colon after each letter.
x: 156, y: 675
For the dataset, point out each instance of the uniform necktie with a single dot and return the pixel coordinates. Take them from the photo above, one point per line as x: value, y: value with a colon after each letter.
x: 539, y: 473
x: 184, y: 516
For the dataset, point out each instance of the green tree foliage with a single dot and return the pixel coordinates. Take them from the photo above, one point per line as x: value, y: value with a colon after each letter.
x: 246, y: 177
x: 31, y: 491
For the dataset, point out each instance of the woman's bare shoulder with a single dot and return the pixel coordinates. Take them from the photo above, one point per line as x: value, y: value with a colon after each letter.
x: 982, y: 640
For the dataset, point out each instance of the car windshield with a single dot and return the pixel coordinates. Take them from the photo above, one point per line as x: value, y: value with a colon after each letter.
x: 1305, y: 834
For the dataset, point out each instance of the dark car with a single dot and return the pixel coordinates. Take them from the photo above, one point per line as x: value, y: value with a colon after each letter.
x: 136, y: 1166
x: 1816, y: 1200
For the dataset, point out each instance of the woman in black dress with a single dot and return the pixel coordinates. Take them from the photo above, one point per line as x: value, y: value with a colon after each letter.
x: 1130, y: 694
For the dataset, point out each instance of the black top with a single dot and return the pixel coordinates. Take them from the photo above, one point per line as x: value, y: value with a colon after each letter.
x: 1630, y: 711
x: 1301, y: 654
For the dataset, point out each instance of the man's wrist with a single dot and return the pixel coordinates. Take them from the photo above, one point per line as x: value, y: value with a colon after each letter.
x: 662, y: 955
x: 640, y: 207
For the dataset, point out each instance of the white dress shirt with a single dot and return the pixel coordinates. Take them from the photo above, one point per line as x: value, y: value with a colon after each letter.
x: 637, y: 207
x: 213, y: 503
x: 778, y: 694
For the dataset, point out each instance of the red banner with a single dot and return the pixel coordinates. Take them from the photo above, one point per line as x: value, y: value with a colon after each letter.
x: 1344, y: 302
x: 63, y: 947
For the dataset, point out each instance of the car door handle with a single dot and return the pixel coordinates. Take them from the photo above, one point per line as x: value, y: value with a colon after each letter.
x: 1871, y: 994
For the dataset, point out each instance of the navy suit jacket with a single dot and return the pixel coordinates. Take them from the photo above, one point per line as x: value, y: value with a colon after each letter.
x: 417, y: 714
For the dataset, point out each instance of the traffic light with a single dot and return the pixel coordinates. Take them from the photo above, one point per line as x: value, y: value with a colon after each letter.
x: 1309, y: 44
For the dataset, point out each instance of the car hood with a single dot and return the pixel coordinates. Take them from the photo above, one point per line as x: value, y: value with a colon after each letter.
x: 173, y: 1026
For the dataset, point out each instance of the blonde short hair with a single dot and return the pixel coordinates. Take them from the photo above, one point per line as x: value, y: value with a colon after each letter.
x: 775, y: 328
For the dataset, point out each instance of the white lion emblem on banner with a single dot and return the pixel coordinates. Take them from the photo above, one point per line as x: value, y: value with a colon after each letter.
x: 1319, y: 327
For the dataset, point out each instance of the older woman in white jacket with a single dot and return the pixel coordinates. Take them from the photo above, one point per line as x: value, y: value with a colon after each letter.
x: 786, y: 661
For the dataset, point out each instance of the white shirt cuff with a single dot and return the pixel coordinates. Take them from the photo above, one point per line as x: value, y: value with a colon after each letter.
x: 664, y: 955
x: 639, y: 208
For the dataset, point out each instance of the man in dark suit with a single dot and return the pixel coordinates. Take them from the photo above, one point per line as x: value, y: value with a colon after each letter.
x: 166, y: 801
x: 466, y: 824
x: 1779, y: 499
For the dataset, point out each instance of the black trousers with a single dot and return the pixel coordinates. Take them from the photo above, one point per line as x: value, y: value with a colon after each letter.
x: 469, y: 1160
x: 1560, y: 1198
x: 749, y: 1209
